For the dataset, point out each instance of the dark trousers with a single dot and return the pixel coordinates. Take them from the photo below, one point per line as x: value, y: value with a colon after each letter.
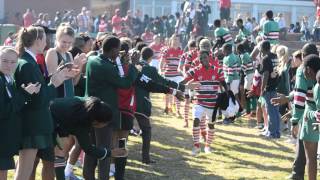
x: 299, y: 162
x: 316, y: 35
x: 145, y: 126
x: 103, y: 139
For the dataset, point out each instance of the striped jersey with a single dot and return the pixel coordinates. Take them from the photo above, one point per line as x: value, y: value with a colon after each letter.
x: 271, y: 31
x: 206, y: 94
x: 156, y: 50
x: 246, y: 63
x: 193, y: 61
x: 171, y: 58
x: 302, y: 94
x: 147, y: 37
x: 224, y: 34
x: 231, y: 67
x: 243, y: 35
x: 190, y: 57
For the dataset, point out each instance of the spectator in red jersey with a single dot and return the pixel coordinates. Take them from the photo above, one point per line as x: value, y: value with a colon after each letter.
x: 225, y: 6
x: 28, y: 18
x: 147, y: 36
x: 156, y: 46
x: 103, y: 25
x: 116, y: 22
x: 317, y: 3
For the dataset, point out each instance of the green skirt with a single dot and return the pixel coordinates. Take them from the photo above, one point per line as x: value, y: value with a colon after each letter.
x: 6, y: 163
x: 307, y: 133
x: 37, y: 142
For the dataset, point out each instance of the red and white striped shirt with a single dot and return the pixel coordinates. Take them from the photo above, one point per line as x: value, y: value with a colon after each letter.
x: 147, y: 37
x: 190, y: 57
x: 209, y: 79
x: 171, y: 58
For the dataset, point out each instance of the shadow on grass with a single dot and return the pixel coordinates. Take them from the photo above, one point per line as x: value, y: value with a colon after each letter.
x: 256, y: 165
x: 171, y: 154
x: 239, y: 134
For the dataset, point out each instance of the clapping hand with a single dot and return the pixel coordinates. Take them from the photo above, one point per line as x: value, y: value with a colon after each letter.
x: 250, y: 93
x: 32, y: 88
x: 80, y: 59
x: 69, y: 73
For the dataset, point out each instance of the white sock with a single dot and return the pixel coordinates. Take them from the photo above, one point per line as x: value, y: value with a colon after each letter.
x: 68, y: 170
x: 112, y: 167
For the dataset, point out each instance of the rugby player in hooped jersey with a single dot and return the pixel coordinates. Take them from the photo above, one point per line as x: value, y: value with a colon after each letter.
x: 210, y: 79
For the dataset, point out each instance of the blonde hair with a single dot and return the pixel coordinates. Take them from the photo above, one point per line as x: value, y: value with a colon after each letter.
x: 64, y: 29
x: 283, y: 57
x: 27, y: 37
x: 8, y: 49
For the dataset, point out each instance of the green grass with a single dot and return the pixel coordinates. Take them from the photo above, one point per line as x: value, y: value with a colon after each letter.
x: 239, y: 153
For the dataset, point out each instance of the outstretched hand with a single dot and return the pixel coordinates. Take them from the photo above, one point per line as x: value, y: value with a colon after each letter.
x: 280, y: 100
x: 119, y: 152
x: 193, y: 85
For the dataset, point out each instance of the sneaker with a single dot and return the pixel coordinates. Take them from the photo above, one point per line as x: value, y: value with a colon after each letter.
x: 195, y: 151
x: 260, y: 126
x: 264, y: 133
x: 112, y: 170
x: 285, y: 128
x: 263, y: 129
x: 149, y: 161
x: 268, y: 136
x: 207, y: 150
x: 135, y: 132
x: 72, y: 177
x: 226, y: 121
x: 294, y: 177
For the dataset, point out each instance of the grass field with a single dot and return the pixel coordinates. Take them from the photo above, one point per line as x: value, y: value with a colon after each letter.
x: 239, y: 153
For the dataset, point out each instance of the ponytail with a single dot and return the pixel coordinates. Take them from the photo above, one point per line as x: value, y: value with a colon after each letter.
x: 27, y: 37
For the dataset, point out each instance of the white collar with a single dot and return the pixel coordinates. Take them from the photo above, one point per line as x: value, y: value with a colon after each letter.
x: 31, y: 54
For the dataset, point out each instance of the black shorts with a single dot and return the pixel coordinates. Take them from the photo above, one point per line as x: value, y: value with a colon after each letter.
x: 46, y: 154
x: 126, y: 121
x: 225, y: 13
x: 6, y: 163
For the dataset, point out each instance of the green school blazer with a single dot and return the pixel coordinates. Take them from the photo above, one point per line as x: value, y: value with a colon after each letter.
x: 70, y: 118
x: 103, y: 80
x: 155, y: 83
x: 36, y: 118
x: 11, y: 103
